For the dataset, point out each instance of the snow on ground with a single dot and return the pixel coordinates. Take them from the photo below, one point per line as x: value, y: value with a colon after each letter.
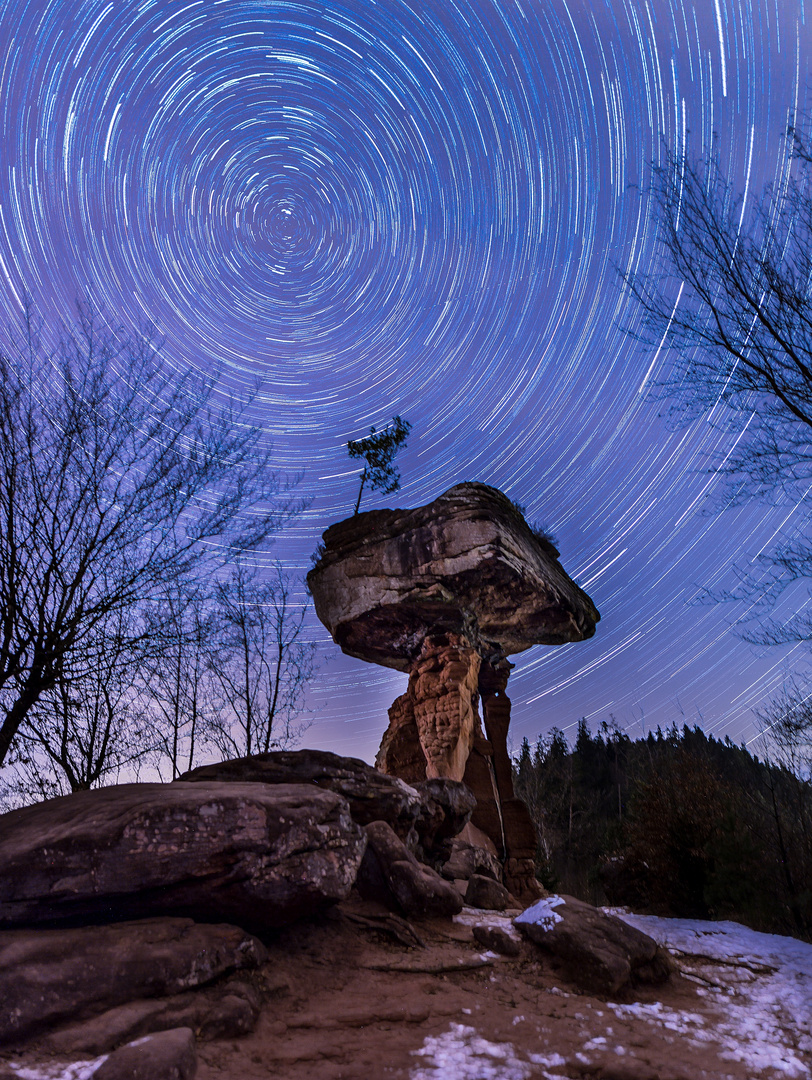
x: 461, y: 1054
x: 542, y: 913
x: 757, y: 989
x: 78, y: 1070
x: 761, y: 985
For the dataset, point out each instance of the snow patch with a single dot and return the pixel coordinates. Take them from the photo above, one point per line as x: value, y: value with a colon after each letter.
x: 461, y: 1054
x: 77, y: 1070
x: 492, y: 919
x: 542, y: 913
x: 761, y: 985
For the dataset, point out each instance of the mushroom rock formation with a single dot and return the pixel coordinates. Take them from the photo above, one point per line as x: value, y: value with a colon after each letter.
x: 447, y: 592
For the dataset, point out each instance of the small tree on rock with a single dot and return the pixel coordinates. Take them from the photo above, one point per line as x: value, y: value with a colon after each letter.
x: 378, y: 449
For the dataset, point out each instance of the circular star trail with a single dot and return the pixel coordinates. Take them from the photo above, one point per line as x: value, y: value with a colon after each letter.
x: 360, y: 208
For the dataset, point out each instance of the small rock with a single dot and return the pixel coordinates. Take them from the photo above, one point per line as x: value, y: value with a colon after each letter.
x: 497, y: 940
x: 467, y: 859
x: 602, y: 953
x: 390, y: 874
x: 484, y: 892
x: 446, y: 809
x: 226, y: 1011
x: 170, y: 1055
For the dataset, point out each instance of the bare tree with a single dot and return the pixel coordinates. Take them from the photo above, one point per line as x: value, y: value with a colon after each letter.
x: 787, y: 727
x: 734, y: 310
x: 89, y: 726
x: 117, y: 477
x: 178, y: 678
x: 261, y: 661
x: 732, y: 307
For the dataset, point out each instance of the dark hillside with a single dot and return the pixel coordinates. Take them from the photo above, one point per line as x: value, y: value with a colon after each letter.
x: 676, y: 824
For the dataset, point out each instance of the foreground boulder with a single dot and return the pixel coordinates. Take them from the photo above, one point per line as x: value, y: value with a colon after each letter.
x: 170, y: 1055
x: 372, y: 795
x: 446, y: 592
x: 427, y: 814
x: 601, y: 954
x: 50, y: 977
x: 249, y: 854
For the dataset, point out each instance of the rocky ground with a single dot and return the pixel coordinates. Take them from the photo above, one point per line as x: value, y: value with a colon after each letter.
x: 343, y: 997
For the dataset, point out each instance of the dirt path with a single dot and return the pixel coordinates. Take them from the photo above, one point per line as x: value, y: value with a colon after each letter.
x: 345, y: 1000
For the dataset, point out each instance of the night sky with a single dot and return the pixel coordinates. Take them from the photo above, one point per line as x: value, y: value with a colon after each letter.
x: 373, y: 207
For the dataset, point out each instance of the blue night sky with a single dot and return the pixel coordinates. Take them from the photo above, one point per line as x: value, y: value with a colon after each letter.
x: 372, y: 207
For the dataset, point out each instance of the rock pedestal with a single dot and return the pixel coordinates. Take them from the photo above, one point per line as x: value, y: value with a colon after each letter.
x: 435, y: 722
x: 447, y: 592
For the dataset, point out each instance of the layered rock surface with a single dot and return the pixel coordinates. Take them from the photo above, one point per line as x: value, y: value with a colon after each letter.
x: 251, y: 854
x: 49, y: 977
x: 447, y: 592
x: 466, y: 564
x: 426, y: 815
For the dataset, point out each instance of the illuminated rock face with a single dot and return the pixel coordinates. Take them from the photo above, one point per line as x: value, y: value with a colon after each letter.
x: 447, y: 592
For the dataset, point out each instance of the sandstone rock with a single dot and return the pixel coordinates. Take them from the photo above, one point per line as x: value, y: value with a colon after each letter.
x: 372, y: 795
x: 485, y: 893
x: 467, y: 564
x: 496, y: 940
x: 467, y: 859
x: 443, y: 693
x: 445, y: 809
x: 52, y: 976
x: 391, y: 875
x: 251, y: 854
x: 430, y: 812
x: 447, y: 592
x: 225, y: 1011
x: 602, y: 954
x: 170, y: 1055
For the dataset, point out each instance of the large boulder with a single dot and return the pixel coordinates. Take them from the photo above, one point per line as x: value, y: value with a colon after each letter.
x: 429, y: 813
x: 49, y: 977
x: 250, y: 854
x: 372, y: 795
x: 466, y: 564
x: 601, y: 953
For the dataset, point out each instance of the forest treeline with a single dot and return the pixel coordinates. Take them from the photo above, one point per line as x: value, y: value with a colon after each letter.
x: 674, y: 824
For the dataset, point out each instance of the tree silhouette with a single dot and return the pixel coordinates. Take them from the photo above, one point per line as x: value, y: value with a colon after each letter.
x: 118, y: 481
x: 378, y: 449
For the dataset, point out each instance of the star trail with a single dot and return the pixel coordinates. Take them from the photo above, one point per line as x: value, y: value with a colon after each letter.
x: 361, y: 208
